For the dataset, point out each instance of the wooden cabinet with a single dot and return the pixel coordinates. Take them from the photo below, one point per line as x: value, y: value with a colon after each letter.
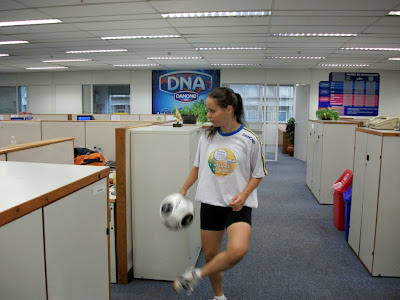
x: 161, y: 159
x: 374, y: 232
x: 53, y: 231
x: 330, y: 151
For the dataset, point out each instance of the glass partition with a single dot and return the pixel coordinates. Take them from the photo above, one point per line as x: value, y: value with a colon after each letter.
x: 109, y: 99
x: 86, y: 99
x: 8, y: 100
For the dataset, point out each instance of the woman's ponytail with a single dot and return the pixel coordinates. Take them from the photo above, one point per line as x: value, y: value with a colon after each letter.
x: 239, y: 111
x: 225, y: 97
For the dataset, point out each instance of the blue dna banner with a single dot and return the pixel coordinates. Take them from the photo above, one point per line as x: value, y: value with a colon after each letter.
x: 170, y: 87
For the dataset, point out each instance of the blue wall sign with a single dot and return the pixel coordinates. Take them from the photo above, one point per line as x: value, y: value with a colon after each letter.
x: 181, y: 88
x: 351, y: 94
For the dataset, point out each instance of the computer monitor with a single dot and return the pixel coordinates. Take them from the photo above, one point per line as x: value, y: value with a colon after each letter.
x: 85, y: 118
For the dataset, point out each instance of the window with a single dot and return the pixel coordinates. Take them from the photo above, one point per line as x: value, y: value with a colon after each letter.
x: 108, y: 99
x: 282, y: 116
x: 22, y: 104
x: 252, y: 95
x: 286, y: 102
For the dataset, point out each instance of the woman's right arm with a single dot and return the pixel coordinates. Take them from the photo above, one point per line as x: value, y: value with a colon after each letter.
x: 190, y: 180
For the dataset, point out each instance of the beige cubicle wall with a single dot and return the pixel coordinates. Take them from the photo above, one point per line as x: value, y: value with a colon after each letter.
x: 101, y: 134
x: 100, y: 117
x: 87, y: 134
x: 53, y: 117
x: 56, y: 151
x: 152, y: 118
x: 125, y: 117
x: 58, y: 129
x: 128, y: 117
x: 36, y: 116
x: 28, y: 116
x: 23, y: 131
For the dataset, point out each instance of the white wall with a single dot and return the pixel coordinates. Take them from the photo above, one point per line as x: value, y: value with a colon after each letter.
x: 41, y: 99
x: 140, y: 81
x: 68, y: 99
x: 141, y: 93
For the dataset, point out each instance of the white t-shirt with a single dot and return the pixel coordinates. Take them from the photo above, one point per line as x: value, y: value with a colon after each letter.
x: 226, y: 164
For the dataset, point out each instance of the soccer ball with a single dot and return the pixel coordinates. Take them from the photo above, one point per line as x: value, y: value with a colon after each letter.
x: 176, y: 211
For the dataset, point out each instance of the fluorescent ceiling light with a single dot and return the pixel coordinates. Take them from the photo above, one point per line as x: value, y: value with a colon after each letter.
x: 259, y: 13
x: 370, y: 49
x: 163, y: 36
x: 138, y: 65
x: 13, y: 42
x: 236, y: 64
x: 294, y: 57
x: 343, y: 65
x: 314, y: 34
x: 230, y: 48
x: 394, y: 58
x: 394, y: 13
x: 174, y: 57
x: 1, y: 54
x: 96, y: 51
x: 30, y: 22
x: 46, y: 68
x: 66, y: 60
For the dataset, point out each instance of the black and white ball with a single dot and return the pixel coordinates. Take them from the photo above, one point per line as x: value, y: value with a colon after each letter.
x: 177, y: 211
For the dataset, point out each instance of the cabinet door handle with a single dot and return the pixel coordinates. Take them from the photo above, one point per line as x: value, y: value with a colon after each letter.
x: 367, y: 157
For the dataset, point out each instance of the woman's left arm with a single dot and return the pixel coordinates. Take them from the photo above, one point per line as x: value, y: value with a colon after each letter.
x: 239, y: 200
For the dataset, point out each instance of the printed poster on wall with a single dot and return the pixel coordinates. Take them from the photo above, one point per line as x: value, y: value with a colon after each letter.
x: 181, y: 88
x: 351, y: 94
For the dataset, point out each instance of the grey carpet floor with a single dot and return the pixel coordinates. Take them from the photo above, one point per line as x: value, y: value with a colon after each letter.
x: 295, y: 252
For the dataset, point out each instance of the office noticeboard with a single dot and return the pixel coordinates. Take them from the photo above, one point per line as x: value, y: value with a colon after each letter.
x: 351, y: 94
x: 181, y: 88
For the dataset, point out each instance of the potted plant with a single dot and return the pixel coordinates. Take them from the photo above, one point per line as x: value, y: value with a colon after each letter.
x: 290, y: 127
x: 327, y: 114
x: 196, y: 112
x: 188, y: 115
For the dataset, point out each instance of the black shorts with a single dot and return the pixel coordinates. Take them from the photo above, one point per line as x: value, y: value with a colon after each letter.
x: 219, y: 218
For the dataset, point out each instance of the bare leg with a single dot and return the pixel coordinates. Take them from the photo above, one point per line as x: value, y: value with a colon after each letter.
x: 211, y: 244
x: 238, y: 242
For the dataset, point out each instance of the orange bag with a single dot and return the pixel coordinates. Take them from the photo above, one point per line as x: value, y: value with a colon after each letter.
x: 94, y: 159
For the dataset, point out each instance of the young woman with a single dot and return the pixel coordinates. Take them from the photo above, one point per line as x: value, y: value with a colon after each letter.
x: 229, y: 165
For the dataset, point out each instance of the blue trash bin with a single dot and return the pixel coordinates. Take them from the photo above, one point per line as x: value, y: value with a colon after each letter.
x: 347, y: 207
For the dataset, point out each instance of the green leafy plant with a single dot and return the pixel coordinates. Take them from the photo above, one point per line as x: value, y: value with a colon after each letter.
x: 290, y: 126
x: 198, y: 109
x: 327, y: 114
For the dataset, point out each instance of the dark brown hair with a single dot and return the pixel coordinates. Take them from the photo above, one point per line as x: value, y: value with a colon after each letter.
x: 224, y: 97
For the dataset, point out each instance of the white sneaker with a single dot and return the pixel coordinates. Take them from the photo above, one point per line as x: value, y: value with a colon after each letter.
x: 186, y: 282
x: 215, y: 298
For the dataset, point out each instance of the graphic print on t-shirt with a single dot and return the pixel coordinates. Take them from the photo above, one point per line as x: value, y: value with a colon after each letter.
x: 222, y: 162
